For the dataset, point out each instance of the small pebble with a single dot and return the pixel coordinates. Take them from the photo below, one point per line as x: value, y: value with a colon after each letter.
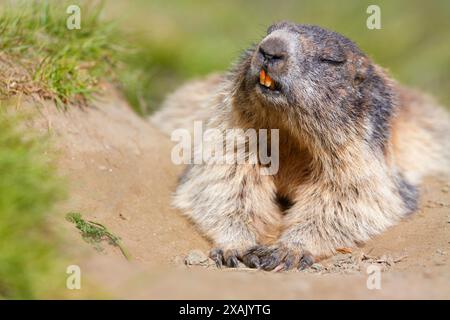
x: 195, y: 258
x: 123, y: 217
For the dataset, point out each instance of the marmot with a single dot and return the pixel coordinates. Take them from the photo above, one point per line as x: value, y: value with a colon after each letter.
x: 353, y: 147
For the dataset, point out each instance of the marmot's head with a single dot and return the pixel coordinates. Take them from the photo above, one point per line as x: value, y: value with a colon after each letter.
x: 316, y: 75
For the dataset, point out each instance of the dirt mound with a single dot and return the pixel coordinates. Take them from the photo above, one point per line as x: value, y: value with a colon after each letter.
x: 120, y: 174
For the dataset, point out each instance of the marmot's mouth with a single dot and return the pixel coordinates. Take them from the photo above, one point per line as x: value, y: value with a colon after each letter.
x: 267, y: 83
x: 266, y: 80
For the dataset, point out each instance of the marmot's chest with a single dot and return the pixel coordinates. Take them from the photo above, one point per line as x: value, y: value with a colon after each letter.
x: 293, y: 171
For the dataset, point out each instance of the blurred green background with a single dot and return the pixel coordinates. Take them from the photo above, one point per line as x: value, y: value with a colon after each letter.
x: 177, y: 40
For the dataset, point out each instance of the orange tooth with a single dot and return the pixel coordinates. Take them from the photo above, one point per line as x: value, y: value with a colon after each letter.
x: 268, y: 81
x: 272, y: 85
x: 262, y: 77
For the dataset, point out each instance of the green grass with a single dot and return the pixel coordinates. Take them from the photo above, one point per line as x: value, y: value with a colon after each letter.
x: 95, y: 233
x: 28, y: 191
x: 61, y: 64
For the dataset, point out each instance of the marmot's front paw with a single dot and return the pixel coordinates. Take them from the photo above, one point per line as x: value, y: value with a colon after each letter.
x: 222, y: 257
x: 278, y: 257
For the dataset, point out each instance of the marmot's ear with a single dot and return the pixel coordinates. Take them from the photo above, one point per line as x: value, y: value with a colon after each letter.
x: 332, y: 51
x: 361, y: 67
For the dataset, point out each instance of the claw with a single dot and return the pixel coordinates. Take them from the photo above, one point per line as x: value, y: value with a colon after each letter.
x: 231, y: 259
x: 251, y: 261
x: 217, y: 256
x: 306, y: 261
x: 277, y: 258
x: 290, y: 262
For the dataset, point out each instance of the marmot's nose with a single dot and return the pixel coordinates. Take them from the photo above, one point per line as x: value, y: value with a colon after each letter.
x: 274, y: 52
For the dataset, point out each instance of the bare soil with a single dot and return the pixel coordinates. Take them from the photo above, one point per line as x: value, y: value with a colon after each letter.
x: 119, y: 173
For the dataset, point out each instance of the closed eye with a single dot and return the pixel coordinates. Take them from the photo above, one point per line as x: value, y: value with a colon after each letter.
x: 332, y: 61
